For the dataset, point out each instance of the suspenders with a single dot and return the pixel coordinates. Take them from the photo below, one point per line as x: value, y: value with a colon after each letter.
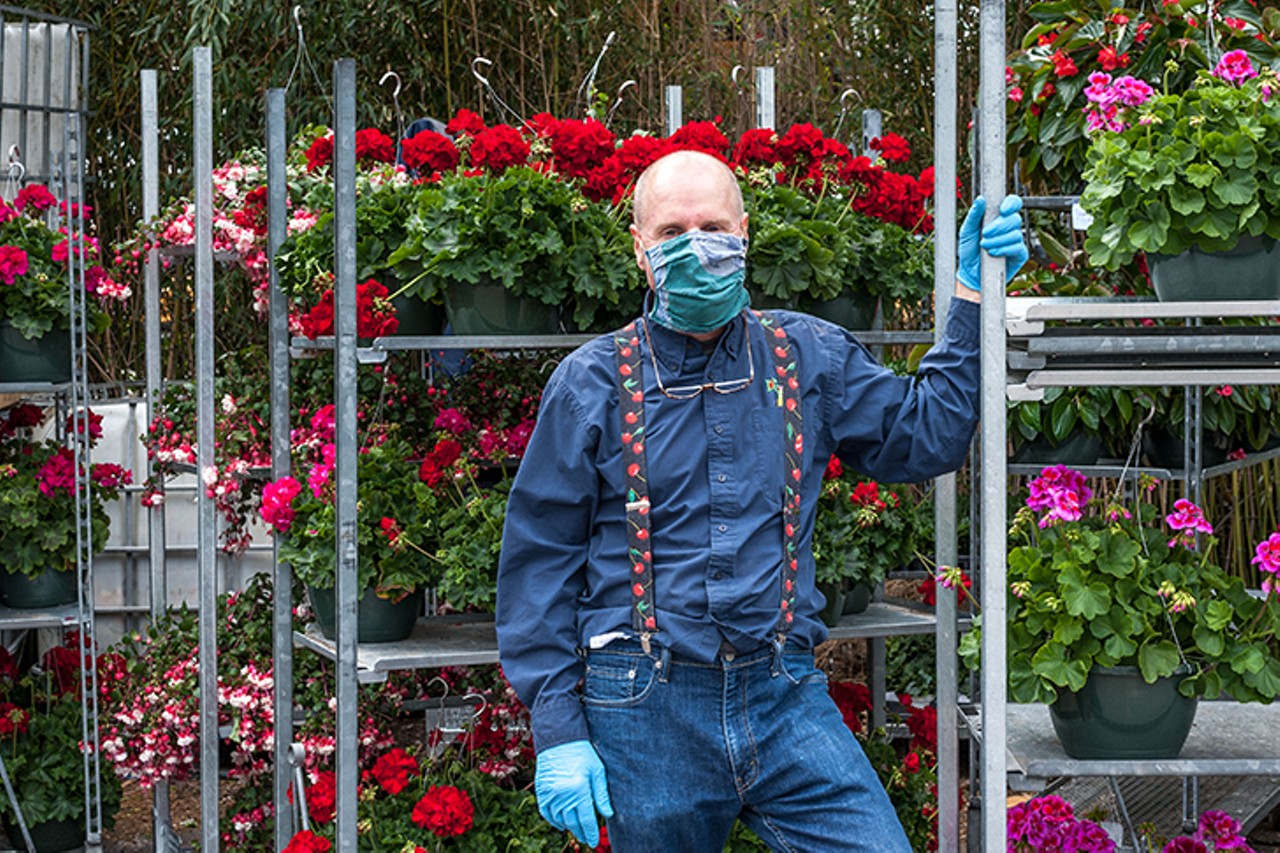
x: 784, y: 388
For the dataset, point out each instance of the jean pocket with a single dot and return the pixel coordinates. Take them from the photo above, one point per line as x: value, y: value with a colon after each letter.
x: 799, y: 668
x: 618, y: 680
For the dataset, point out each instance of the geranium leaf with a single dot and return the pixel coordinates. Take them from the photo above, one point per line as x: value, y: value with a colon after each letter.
x: 1158, y: 659
x: 1238, y: 189
x: 1148, y: 233
x: 1186, y: 199
x: 1202, y: 174
x: 1053, y: 663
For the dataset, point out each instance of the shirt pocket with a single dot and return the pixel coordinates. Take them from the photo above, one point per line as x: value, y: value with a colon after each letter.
x: 767, y: 454
x: 617, y: 680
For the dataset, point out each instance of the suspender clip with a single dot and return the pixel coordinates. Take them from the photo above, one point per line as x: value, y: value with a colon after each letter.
x: 642, y: 505
x: 644, y: 642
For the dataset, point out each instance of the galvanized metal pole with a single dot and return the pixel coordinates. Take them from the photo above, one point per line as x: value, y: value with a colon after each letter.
x: 872, y: 128
x: 277, y: 220
x: 344, y: 394
x: 673, y: 107
x: 994, y: 489
x: 766, y: 98
x: 944, y: 495
x: 206, y: 535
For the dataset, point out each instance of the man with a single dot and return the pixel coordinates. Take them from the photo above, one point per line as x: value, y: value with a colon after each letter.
x: 656, y: 601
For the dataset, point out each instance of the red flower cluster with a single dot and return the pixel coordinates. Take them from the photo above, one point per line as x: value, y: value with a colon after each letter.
x: 465, y: 122
x: 320, y: 154
x: 498, y: 148
x: 835, y: 469
x: 922, y: 722
x: 307, y: 841
x: 579, y: 147
x: 13, y: 719
x: 445, y: 811
x: 702, y: 136
x: 36, y: 195
x: 375, y: 315
x: 867, y: 495
x: 374, y: 146
x: 439, y: 461
x: 254, y: 213
x: 322, y: 797
x: 393, y: 770
x: 853, y: 699
x: 429, y: 151
x: 892, y: 147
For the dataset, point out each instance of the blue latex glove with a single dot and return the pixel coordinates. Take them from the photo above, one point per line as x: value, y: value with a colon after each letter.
x: 1002, y: 238
x: 569, y: 784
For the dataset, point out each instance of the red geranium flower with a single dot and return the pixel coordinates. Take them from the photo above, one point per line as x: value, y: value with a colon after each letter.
x: 441, y: 457
x: 13, y: 263
x: 1063, y: 65
x: 429, y: 151
x: 835, y: 469
x: 892, y: 148
x: 320, y: 154
x: 853, y: 699
x: 465, y: 122
x: 801, y: 144
x: 36, y: 195
x: 13, y: 719
x: 701, y: 136
x: 499, y: 147
x: 444, y: 810
x: 322, y: 797
x: 637, y: 153
x: 374, y: 146
x: 541, y: 125
x: 609, y: 181
x: 580, y: 146
x: 756, y: 147
x: 1110, y: 60
x: 393, y: 770
x: 307, y: 841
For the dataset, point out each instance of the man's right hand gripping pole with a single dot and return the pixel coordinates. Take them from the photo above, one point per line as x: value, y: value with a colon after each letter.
x: 570, y: 787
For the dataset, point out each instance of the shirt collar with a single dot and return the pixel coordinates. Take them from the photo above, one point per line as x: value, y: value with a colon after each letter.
x: 672, y: 347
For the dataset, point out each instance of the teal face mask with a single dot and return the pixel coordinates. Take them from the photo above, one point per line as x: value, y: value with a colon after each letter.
x: 698, y: 280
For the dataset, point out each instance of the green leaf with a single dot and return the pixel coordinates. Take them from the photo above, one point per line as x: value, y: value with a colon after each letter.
x: 1186, y: 199
x: 1082, y: 598
x: 1053, y: 663
x: 1209, y: 641
x: 1202, y: 174
x: 1149, y: 230
x: 1239, y: 188
x: 1158, y: 659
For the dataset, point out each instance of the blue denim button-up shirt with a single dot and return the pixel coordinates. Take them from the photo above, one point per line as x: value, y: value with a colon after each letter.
x: 716, y: 480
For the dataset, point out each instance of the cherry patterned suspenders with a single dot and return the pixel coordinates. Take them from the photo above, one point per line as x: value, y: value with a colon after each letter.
x: 784, y: 388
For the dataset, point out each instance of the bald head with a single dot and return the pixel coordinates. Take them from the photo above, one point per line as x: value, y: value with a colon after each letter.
x: 678, y: 168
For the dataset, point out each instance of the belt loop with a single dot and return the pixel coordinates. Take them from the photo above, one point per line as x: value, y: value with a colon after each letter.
x: 664, y: 665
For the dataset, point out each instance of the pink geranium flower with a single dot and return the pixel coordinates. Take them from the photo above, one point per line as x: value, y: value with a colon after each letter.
x: 1235, y: 67
x: 13, y: 263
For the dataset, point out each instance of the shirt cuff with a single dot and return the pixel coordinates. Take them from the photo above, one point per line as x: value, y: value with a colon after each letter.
x: 557, y: 721
x: 964, y: 323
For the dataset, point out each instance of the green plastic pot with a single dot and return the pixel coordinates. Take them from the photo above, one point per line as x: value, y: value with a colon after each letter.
x: 43, y: 359
x: 47, y: 589
x: 857, y: 598
x: 834, y: 592
x: 1249, y: 271
x: 853, y: 311
x: 491, y: 309
x: 380, y: 620
x: 1078, y: 448
x: 1117, y: 715
x: 417, y: 316
x: 48, y: 837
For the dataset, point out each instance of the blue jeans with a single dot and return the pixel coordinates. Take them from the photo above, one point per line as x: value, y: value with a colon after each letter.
x: 690, y: 747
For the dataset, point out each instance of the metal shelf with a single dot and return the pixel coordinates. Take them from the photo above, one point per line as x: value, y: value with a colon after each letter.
x: 16, y: 619
x: 469, y: 640
x: 888, y: 619
x: 1227, y: 739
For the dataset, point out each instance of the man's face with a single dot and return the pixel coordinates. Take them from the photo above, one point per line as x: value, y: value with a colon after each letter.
x: 685, y: 198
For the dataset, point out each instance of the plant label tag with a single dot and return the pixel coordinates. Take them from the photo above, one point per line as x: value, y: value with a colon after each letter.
x: 1080, y: 218
x: 450, y: 717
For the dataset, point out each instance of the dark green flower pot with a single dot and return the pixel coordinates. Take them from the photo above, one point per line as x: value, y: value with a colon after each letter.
x: 490, y: 309
x: 47, y: 589
x: 1117, y: 715
x: 1164, y: 448
x: 1078, y: 448
x: 43, y: 359
x: 858, y: 597
x: 854, y: 311
x: 762, y: 301
x: 834, y: 592
x: 417, y: 316
x: 49, y: 836
x: 380, y: 620
x: 1249, y: 271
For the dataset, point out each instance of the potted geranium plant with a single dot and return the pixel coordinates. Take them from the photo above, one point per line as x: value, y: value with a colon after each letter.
x: 1185, y: 176
x: 35, y: 289
x: 832, y: 233
x: 396, y: 529
x: 1103, y: 597
x: 41, y: 731
x: 38, y: 540
x: 862, y: 530
x: 504, y: 211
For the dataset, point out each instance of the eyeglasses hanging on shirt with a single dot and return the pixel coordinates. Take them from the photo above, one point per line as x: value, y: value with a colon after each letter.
x: 689, y: 392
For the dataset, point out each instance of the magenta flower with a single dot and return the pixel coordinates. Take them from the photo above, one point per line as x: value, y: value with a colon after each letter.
x: 1188, y: 516
x: 59, y: 473
x: 1131, y: 91
x: 1060, y: 493
x: 452, y: 420
x: 1221, y: 830
x: 277, y: 503
x: 1099, y: 90
x: 13, y: 263
x: 1268, y: 560
x: 1235, y: 67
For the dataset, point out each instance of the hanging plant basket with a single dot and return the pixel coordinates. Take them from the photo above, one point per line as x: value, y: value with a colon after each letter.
x: 1249, y: 271
x: 1118, y: 715
x: 43, y: 359
x: 47, y: 589
x: 380, y: 620
x: 491, y: 309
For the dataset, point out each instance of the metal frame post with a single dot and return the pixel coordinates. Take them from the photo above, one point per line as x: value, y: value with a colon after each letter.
x: 206, y: 539
x: 945, y: 503
x: 991, y: 143
x: 156, y: 537
x: 282, y: 596
x: 673, y: 107
x: 345, y: 404
x: 766, y: 98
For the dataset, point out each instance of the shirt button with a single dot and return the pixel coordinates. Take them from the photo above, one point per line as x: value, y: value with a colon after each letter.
x: 723, y: 528
x: 719, y: 429
x: 721, y: 478
x: 715, y: 576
